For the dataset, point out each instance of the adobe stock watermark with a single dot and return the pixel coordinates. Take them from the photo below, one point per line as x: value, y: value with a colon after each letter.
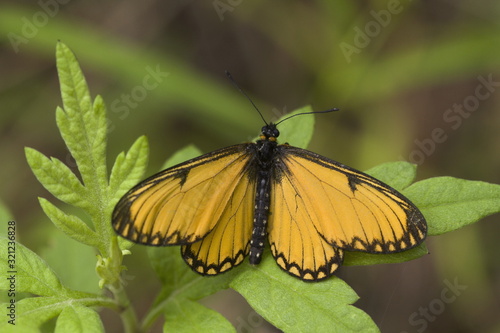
x: 453, y: 117
x: 277, y: 113
x: 129, y: 101
x: 223, y: 6
x: 364, y: 36
x: 250, y: 323
x: 427, y: 314
x: 30, y: 26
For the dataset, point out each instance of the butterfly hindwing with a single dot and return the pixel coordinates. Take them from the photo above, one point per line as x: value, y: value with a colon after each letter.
x: 229, y: 242
x: 182, y: 204
x: 296, y: 245
x: 319, y: 204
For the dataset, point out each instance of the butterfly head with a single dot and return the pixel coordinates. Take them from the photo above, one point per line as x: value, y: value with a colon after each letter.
x: 269, y: 132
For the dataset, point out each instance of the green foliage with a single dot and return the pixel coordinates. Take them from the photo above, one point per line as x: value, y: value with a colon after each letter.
x: 295, y: 306
x: 36, y: 277
x: 82, y: 124
x: 450, y: 203
x: 286, y: 302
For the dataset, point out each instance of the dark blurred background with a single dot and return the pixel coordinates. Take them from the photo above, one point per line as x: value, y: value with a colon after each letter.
x: 411, y: 79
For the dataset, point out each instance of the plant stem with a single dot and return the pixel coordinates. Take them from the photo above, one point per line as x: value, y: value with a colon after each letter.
x: 129, y: 318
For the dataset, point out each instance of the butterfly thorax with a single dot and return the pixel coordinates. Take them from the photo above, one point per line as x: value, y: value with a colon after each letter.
x: 266, y: 147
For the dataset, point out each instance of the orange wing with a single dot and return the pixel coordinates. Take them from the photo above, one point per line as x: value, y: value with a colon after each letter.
x: 321, y: 207
x: 183, y: 204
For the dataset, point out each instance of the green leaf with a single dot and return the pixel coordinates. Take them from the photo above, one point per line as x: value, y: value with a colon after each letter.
x: 127, y: 171
x: 84, y: 129
x: 362, y: 259
x: 34, y: 311
x: 5, y: 216
x: 187, y: 316
x: 98, y: 119
x: 176, y: 275
x: 449, y: 203
x: 74, y: 90
x: 297, y: 131
x: 71, y: 225
x: 129, y: 168
x: 23, y: 327
x: 170, y: 268
x: 179, y: 282
x: 398, y: 175
x: 38, y: 310
x: 32, y: 275
x: 82, y: 125
x: 78, y: 318
x: 73, y: 261
x: 295, y: 306
x: 57, y: 178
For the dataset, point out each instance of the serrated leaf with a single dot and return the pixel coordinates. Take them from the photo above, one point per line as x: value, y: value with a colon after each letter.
x: 187, y: 316
x: 71, y: 225
x: 294, y: 306
x: 80, y: 145
x: 82, y: 125
x: 74, y: 90
x: 129, y: 168
x: 78, y: 318
x: 83, y: 128
x: 449, y: 203
x: 398, y: 175
x: 101, y: 129
x: 57, y: 178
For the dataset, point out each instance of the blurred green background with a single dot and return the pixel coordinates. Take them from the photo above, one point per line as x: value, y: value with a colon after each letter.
x: 398, y: 70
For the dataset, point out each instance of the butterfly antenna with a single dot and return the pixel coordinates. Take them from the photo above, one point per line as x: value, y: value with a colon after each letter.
x: 312, y: 112
x: 230, y: 77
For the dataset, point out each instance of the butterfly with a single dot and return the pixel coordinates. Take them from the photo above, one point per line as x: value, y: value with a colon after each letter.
x: 226, y: 205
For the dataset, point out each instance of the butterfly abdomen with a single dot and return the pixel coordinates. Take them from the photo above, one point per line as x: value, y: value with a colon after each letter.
x: 261, y: 214
x: 265, y: 152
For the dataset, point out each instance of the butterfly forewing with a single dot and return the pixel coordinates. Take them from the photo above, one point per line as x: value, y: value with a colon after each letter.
x: 348, y: 208
x: 184, y: 203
